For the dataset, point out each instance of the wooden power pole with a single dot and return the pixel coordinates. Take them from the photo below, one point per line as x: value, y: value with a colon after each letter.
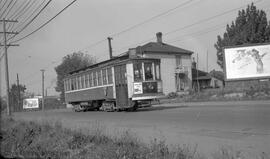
x: 6, y: 45
x: 42, y: 70
x: 19, y: 93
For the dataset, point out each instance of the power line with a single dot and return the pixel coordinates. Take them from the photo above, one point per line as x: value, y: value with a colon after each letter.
x: 3, y: 5
x: 139, y: 24
x: 32, y: 18
x: 10, y: 8
x: 207, y: 19
x: 6, y: 9
x: 20, y: 9
x: 45, y: 23
x: 198, y: 22
x: 27, y: 18
x: 25, y: 10
x: 152, y: 18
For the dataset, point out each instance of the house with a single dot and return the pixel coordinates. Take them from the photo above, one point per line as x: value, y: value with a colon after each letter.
x: 176, y: 64
x: 205, y: 80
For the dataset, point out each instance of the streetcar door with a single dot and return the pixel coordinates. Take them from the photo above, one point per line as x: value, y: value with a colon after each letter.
x: 121, y: 86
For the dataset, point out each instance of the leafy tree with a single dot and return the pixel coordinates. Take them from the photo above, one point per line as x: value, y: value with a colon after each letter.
x: 15, y: 97
x: 251, y: 26
x: 71, y: 63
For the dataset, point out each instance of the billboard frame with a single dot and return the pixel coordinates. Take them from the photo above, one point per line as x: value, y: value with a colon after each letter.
x: 243, y: 78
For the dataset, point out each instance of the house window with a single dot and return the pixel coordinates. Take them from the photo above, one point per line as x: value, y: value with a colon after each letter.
x: 148, y: 72
x: 178, y: 60
x: 138, y: 76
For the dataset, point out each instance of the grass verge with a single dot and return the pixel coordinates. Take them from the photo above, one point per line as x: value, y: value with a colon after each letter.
x: 22, y: 139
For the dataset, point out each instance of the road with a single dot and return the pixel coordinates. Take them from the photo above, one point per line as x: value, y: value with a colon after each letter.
x: 243, y: 125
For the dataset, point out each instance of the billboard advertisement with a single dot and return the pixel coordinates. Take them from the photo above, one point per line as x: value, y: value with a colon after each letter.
x: 247, y: 62
x: 30, y: 103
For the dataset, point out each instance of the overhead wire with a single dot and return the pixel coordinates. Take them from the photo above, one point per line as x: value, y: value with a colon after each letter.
x: 139, y: 24
x: 195, y: 23
x: 40, y: 11
x: 27, y: 17
x: 25, y: 10
x: 3, y: 5
x: 19, y: 9
x: 152, y: 18
x: 22, y: 10
x: 5, y: 9
x: 44, y: 23
x: 10, y: 8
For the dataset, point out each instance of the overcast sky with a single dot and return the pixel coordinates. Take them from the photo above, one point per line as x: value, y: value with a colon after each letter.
x: 87, y: 22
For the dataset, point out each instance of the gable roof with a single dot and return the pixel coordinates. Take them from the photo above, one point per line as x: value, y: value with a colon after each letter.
x: 161, y: 48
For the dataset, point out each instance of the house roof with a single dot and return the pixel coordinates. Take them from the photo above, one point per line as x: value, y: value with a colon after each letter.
x: 161, y: 48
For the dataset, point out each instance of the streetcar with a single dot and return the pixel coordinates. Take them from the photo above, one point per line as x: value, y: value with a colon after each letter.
x: 121, y: 83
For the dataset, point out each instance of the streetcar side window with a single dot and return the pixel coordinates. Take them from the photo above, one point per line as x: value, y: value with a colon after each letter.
x: 95, y: 78
x: 82, y: 81
x: 157, y: 71
x: 73, y: 86
x: 104, y: 76
x: 86, y: 80
x: 78, y: 82
x: 99, y: 78
x: 69, y: 84
x: 148, y: 71
x: 90, y: 80
x: 138, y: 76
x: 109, y: 73
x: 65, y: 85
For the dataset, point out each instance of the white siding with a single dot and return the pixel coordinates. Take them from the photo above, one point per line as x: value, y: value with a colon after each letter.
x: 130, y: 79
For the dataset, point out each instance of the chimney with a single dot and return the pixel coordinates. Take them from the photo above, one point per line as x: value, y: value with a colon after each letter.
x: 159, y: 37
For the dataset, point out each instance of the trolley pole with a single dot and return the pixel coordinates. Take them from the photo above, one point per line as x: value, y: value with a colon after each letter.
x: 6, y: 60
x: 110, y: 47
x: 42, y: 70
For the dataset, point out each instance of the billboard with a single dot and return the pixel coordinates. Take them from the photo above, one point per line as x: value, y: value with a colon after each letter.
x: 30, y: 103
x: 247, y: 62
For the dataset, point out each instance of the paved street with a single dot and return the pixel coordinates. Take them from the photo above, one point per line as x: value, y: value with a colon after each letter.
x: 243, y: 126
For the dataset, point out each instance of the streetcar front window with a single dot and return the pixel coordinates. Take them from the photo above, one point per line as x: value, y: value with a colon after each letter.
x: 157, y: 71
x: 148, y: 72
x: 138, y: 76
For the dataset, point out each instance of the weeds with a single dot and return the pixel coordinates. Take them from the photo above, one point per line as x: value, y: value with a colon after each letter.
x: 22, y: 139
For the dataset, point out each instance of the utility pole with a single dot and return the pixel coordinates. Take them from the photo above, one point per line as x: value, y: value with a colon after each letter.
x: 198, y: 84
x: 207, y: 61
x: 6, y: 59
x: 110, y: 47
x: 42, y: 71
x: 19, y: 92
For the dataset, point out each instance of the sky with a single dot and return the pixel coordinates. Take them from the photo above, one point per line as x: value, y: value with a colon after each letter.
x: 194, y: 26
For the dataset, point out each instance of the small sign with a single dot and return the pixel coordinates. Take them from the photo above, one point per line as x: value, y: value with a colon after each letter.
x: 138, y: 88
x: 30, y: 103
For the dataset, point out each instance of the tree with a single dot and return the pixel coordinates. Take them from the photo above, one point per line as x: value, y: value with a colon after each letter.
x: 71, y: 63
x: 16, y: 96
x: 251, y: 26
x: 3, y: 104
